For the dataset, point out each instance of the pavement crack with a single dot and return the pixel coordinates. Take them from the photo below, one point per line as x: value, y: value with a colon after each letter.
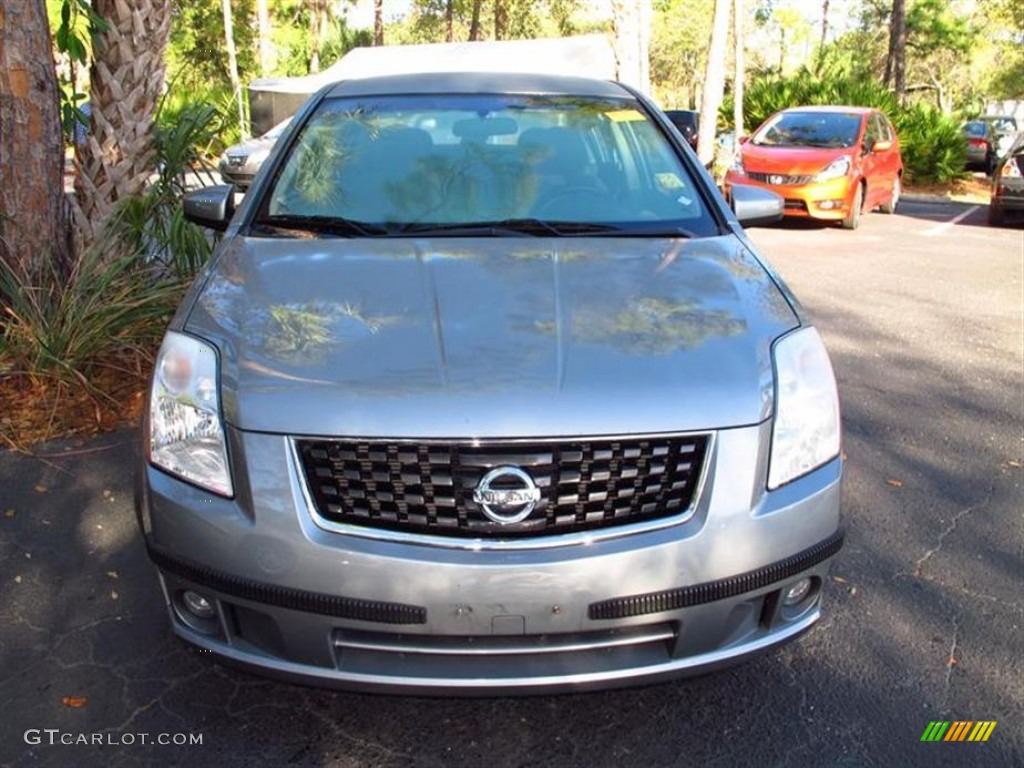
x: 951, y: 662
x: 953, y: 523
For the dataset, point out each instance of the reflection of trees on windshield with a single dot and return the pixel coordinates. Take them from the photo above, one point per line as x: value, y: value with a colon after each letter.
x: 309, y: 183
x: 811, y: 130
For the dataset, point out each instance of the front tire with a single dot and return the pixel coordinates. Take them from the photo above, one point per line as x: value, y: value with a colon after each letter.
x: 852, y: 219
x: 995, y: 216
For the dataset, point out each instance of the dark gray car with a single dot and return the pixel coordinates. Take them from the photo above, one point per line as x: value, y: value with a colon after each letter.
x: 485, y: 390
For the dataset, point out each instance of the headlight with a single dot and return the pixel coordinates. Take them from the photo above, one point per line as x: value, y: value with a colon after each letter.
x: 835, y: 170
x: 256, y: 158
x: 806, y: 430
x: 186, y: 437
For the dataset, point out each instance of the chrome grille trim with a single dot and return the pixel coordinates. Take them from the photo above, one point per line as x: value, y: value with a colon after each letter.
x: 785, y: 178
x: 300, y: 490
x: 503, y: 645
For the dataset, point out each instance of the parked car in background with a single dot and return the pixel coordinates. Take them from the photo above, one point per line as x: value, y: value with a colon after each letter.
x: 1008, y: 184
x: 240, y: 163
x: 1005, y: 127
x: 485, y: 390
x: 829, y: 163
x: 981, y: 145
x: 688, y: 123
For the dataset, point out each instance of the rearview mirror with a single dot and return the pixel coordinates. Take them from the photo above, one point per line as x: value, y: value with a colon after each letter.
x: 210, y: 207
x: 756, y: 207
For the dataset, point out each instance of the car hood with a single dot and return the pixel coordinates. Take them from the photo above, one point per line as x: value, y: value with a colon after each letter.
x: 250, y: 147
x: 791, y: 161
x: 491, y: 337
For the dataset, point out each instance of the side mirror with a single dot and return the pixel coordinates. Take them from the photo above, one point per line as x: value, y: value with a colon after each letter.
x: 744, y: 139
x: 756, y: 207
x: 210, y: 207
x: 882, y: 145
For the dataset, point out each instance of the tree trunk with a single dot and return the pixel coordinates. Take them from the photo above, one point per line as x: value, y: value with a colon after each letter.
x: 500, y: 19
x: 33, y: 212
x: 236, y: 83
x: 449, y: 21
x: 714, y: 82
x: 474, y: 24
x: 824, y: 25
x: 314, y: 37
x: 820, y: 56
x: 378, y: 22
x: 740, y: 70
x: 127, y: 78
x: 631, y: 20
x: 263, y: 38
x: 895, y: 65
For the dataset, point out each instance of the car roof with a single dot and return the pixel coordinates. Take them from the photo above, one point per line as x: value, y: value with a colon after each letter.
x: 831, y: 108
x: 477, y: 82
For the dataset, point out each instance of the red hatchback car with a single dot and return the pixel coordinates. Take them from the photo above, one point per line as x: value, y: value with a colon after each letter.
x: 828, y: 163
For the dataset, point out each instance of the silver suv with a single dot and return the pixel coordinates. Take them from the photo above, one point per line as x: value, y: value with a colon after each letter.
x: 485, y: 390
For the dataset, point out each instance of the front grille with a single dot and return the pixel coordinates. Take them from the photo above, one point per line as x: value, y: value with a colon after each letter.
x: 778, y: 178
x: 428, y: 487
x: 795, y: 205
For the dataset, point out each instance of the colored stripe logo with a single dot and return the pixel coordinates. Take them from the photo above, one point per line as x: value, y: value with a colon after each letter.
x: 958, y: 730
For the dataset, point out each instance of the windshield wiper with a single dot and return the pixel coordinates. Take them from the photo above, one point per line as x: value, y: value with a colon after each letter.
x: 321, y: 225
x: 502, y: 228
x: 647, y: 229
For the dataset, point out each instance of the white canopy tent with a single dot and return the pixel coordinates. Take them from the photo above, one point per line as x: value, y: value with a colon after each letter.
x: 271, y: 100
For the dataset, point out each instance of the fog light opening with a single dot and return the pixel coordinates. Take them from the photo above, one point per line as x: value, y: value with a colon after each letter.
x: 197, y: 611
x: 796, y: 592
x: 198, y: 605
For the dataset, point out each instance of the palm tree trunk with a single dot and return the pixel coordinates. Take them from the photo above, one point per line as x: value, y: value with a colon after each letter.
x: 378, y: 22
x: 127, y: 78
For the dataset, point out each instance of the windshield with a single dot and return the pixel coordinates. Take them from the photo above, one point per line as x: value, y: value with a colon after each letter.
x: 809, y: 129
x: 976, y: 129
x: 409, y: 163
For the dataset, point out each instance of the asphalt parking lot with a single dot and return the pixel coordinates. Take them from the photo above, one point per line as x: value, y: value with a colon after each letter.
x: 923, y: 313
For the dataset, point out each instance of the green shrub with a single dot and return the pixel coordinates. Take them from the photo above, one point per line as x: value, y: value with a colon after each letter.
x: 64, y: 325
x: 932, y: 145
x: 152, y: 226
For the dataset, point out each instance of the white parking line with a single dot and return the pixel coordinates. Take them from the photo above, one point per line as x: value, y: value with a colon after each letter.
x: 941, y: 229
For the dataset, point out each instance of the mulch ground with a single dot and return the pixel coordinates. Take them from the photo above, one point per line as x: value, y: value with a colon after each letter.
x: 33, y: 411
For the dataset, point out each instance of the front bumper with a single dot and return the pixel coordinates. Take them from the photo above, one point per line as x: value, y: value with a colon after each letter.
x: 827, y: 200
x: 296, y: 601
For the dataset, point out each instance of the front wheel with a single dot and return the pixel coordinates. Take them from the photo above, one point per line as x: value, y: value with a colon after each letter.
x: 852, y: 219
x: 894, y: 198
x: 995, y: 216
